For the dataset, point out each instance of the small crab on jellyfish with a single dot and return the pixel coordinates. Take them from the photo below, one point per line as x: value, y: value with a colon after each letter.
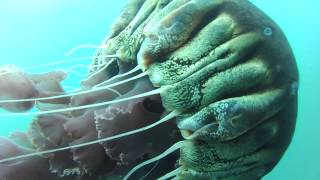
x: 221, y: 72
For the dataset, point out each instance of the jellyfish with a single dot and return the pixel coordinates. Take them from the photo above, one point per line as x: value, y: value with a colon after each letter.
x: 15, y: 85
x: 179, y: 89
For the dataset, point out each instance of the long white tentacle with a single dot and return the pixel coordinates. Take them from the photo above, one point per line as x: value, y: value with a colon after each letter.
x: 150, y: 93
x: 76, y: 93
x: 84, y: 46
x: 171, y: 174
x: 71, y: 60
x: 173, y: 148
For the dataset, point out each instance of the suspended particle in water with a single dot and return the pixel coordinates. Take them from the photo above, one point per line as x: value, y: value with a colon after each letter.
x: 267, y: 31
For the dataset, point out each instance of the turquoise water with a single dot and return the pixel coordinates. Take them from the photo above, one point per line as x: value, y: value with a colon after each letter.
x: 42, y: 31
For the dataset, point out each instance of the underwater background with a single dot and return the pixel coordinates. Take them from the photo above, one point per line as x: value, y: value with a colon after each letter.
x: 36, y: 32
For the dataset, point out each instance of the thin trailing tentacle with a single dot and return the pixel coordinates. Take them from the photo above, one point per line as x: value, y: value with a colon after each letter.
x: 173, y: 148
x: 77, y: 93
x: 71, y: 71
x: 135, y: 69
x: 171, y: 174
x: 149, y: 172
x: 154, y: 92
x: 71, y: 60
x: 84, y: 46
x: 70, y: 89
x: 104, y: 67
